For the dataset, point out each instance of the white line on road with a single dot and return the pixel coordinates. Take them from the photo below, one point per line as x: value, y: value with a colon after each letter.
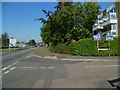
x: 27, y: 57
x: 12, y: 68
x: 9, y: 66
x: 9, y: 70
x: 26, y: 67
x: 35, y: 67
x: 6, y: 72
x: 6, y: 67
x: 14, y: 64
x: 37, y: 56
x: 51, y: 67
x: 104, y: 66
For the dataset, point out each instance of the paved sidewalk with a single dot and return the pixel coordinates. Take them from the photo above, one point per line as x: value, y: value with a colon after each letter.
x: 51, y: 55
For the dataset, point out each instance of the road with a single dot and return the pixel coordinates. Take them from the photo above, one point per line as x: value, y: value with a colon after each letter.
x: 22, y: 69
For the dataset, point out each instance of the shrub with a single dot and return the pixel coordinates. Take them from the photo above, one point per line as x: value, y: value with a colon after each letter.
x: 88, y: 47
x: 85, y: 47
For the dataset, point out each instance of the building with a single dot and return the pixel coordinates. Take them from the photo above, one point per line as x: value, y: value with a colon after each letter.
x: 118, y: 15
x: 107, y: 22
x: 12, y: 42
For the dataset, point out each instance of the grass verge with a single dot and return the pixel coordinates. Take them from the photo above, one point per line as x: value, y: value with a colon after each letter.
x: 40, y: 52
x: 11, y: 50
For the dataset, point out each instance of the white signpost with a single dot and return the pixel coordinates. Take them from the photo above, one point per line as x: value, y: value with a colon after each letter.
x: 98, y: 38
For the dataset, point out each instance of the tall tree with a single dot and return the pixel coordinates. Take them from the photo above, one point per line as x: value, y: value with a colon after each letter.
x: 5, y: 40
x: 32, y: 42
x: 70, y: 22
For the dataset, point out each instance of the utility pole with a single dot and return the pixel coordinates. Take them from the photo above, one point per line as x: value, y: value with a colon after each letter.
x: 9, y: 35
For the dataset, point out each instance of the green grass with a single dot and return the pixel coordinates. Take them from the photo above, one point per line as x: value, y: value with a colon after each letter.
x: 40, y: 52
x: 11, y: 50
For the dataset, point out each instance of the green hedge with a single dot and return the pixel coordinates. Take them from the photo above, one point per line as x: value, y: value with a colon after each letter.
x: 88, y: 47
x: 85, y: 47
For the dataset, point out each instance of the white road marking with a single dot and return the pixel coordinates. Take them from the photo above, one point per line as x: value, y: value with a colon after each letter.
x: 36, y: 67
x: 6, y: 72
x: 12, y: 68
x: 6, y: 67
x: 104, y: 66
x: 51, y: 67
x: 37, y: 56
x: 27, y: 57
x: 9, y: 66
x: 9, y: 70
x: 26, y: 67
x: 14, y: 64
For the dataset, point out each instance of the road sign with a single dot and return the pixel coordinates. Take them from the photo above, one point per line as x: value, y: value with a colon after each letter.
x: 97, y: 37
x: 109, y: 37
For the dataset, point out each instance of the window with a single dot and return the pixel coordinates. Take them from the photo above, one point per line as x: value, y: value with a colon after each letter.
x: 113, y: 27
x: 112, y: 16
x: 113, y: 33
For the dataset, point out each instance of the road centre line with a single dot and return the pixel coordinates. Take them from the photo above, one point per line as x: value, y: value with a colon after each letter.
x: 51, y: 67
x: 104, y: 66
x: 35, y: 67
x: 28, y: 68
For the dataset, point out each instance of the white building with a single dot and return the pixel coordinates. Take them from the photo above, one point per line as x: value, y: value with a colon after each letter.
x: 107, y: 22
x: 12, y: 42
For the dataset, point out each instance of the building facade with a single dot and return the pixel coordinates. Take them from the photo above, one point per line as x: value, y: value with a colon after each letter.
x: 118, y: 16
x: 12, y: 42
x: 107, y: 22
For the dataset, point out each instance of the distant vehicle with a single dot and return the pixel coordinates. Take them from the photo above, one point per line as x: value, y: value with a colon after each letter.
x: 24, y: 45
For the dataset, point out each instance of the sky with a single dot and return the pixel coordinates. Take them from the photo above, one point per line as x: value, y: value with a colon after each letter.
x: 18, y: 18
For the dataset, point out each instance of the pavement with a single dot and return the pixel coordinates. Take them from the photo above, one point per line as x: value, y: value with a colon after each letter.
x: 24, y: 69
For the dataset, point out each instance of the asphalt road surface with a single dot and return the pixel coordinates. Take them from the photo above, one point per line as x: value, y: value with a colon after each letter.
x: 22, y: 69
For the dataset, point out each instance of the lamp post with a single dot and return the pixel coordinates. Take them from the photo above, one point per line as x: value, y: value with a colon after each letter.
x: 9, y: 34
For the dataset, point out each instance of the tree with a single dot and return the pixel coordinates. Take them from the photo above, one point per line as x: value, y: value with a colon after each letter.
x: 69, y: 22
x: 32, y: 42
x: 17, y: 42
x: 5, y: 40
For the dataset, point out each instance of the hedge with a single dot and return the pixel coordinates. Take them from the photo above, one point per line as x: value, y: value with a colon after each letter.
x: 88, y: 47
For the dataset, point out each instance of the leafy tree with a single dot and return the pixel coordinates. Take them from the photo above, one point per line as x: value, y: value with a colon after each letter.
x: 69, y: 22
x: 91, y: 11
x: 32, y: 42
x: 17, y: 42
x: 5, y: 40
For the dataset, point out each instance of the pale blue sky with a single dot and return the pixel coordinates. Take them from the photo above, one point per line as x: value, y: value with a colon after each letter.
x: 23, y: 14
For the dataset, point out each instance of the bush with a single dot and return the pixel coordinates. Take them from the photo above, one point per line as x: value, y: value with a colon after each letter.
x: 88, y: 47
x: 114, y: 47
x: 62, y: 49
x: 85, y: 47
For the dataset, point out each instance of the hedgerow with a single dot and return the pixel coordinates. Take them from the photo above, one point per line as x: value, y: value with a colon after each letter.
x: 88, y: 47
